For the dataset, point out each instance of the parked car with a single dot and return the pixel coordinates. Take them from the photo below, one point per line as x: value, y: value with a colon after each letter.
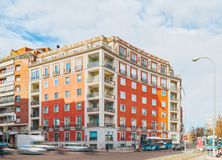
x: 31, y: 149
x: 47, y: 147
x: 75, y: 147
x: 178, y: 147
x: 6, y: 148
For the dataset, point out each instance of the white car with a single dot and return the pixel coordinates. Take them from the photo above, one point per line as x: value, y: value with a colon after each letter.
x: 47, y: 147
x: 73, y: 147
x: 31, y: 149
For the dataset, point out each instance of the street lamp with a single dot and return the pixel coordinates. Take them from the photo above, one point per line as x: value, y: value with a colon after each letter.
x: 214, y: 109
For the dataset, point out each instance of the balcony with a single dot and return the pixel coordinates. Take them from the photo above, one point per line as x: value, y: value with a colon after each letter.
x: 109, y: 95
x: 45, y: 75
x: 36, y: 90
x: 122, y: 126
x: 109, y: 66
x: 173, y: 109
x: 144, y: 80
x: 34, y: 128
x: 6, y: 111
x: 78, y: 67
x: 6, y: 73
x: 173, y: 98
x: 123, y: 72
x: 93, y: 64
x: 34, y: 115
x: 93, y: 79
x: 109, y: 124
x: 67, y: 70
x: 91, y: 109
x: 123, y: 55
x: 56, y: 73
x: 109, y: 109
x: 109, y: 81
x: 173, y: 118
x: 56, y: 127
x: 134, y: 76
x: 78, y: 126
x: 34, y: 103
x: 93, y: 95
x: 66, y: 126
x: 92, y: 124
x: 133, y: 127
x: 143, y: 128
x: 35, y: 78
x: 173, y: 129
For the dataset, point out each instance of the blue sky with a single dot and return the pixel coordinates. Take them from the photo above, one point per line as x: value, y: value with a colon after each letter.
x: 176, y: 31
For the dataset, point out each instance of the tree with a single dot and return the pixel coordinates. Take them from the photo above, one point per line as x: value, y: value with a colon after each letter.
x: 192, y: 135
x: 219, y: 126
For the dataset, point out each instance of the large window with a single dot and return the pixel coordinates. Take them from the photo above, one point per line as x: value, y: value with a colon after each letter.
x: 122, y: 51
x: 163, y: 82
x: 154, y: 66
x: 67, y: 67
x: 154, y: 80
x: 133, y: 85
x: 78, y: 106
x: 122, y: 108
x: 122, y: 81
x: 56, y: 136
x: 144, y: 88
x: 35, y: 74
x: 93, y: 135
x: 67, y: 107
x: 144, y: 77
x: 122, y: 68
x: 144, y: 62
x: 133, y: 98
x: 144, y: 100
x: 133, y: 73
x: 67, y: 136
x: 78, y: 136
x: 46, y: 72
x: 133, y: 110
x: 56, y: 69
x: 122, y: 95
x: 133, y: 57
x: 79, y: 92
x: 56, y: 108
x: 46, y: 109
x: 153, y: 102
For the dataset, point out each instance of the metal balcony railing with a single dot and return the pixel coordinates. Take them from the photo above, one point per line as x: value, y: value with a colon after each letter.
x: 94, y: 94
x: 35, y: 90
x: 56, y: 127
x: 78, y: 126
x: 93, y: 80
x: 123, y: 72
x: 109, y: 124
x: 93, y: 64
x: 109, y: 95
x: 110, y: 66
x: 66, y: 126
x: 34, y: 115
x: 109, y: 81
x: 122, y: 126
x: 91, y: 109
x: 92, y: 124
x: 108, y: 109
x: 34, y: 103
x: 173, y: 109
x: 7, y: 101
x: 133, y: 127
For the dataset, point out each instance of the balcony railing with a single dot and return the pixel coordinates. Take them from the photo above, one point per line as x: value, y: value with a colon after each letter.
x: 34, y: 128
x: 109, y: 124
x: 34, y: 103
x: 78, y: 67
x: 123, y: 72
x: 34, y: 115
x: 133, y: 127
x: 7, y: 101
x: 110, y: 66
x: 173, y: 129
x: 108, y: 109
x: 78, y: 126
x: 122, y: 126
x: 173, y: 88
x: 66, y: 126
x: 93, y: 64
x: 134, y: 76
x: 56, y: 73
x: 123, y: 55
x: 144, y: 80
x: 173, y: 109
x: 45, y: 128
x: 91, y: 95
x: 35, y: 90
x: 45, y: 75
x: 35, y: 78
x: 91, y: 109
x: 109, y: 81
x: 173, y: 98
x: 93, y: 80
x: 173, y: 118
x: 144, y: 128
x: 56, y: 127
x: 92, y: 124
x: 109, y: 95
x: 6, y: 111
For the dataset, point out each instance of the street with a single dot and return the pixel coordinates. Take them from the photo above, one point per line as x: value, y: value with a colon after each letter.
x: 92, y: 156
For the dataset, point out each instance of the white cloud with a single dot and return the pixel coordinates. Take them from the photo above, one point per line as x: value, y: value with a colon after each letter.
x: 177, y: 31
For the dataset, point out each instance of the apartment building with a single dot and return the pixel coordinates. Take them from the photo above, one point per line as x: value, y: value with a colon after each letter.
x: 103, y: 91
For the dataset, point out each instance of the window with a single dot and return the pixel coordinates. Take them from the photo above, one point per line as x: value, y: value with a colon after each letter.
x: 122, y: 95
x: 133, y: 57
x: 46, y: 97
x: 133, y: 98
x: 17, y: 98
x: 153, y: 125
x: 79, y: 120
x: 153, y: 90
x: 56, y: 136
x: 144, y: 88
x: 93, y: 135
x: 163, y: 93
x: 46, y: 72
x: 153, y: 135
x: 133, y: 110
x: 163, y: 104
x: 67, y: 107
x: 79, y: 92
x: 35, y: 74
x: 122, y: 69
x: 67, y: 121
x: 122, y: 121
x: 122, y: 108
x: 154, y: 66
x: 78, y: 64
x: 56, y: 108
x: 67, y: 94
x: 163, y: 69
x: 144, y: 77
x: 46, y: 110
x: 154, y: 80
x: 17, y: 109
x: 79, y: 78
x: 56, y: 82
x: 17, y: 68
x: 56, y: 122
x: 144, y: 123
x: 163, y: 126
x: 163, y: 82
x: 153, y: 102
x: 144, y: 100
x: 153, y: 113
x: 17, y: 88
x: 66, y: 136
x: 18, y: 119
x: 46, y: 84
x: 56, y: 95
x: 163, y: 114
x: 56, y: 69
x: 109, y: 136
x: 17, y: 78
x: 45, y: 122
x: 144, y: 112
x: 144, y: 62
x: 67, y: 67
x: 67, y: 80
x: 133, y: 122
x: 133, y: 73
x: 122, y: 51
x: 78, y: 136
x: 133, y: 85
x: 78, y: 106
x: 123, y: 81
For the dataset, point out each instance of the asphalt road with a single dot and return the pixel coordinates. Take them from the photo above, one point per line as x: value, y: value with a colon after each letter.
x: 92, y: 156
